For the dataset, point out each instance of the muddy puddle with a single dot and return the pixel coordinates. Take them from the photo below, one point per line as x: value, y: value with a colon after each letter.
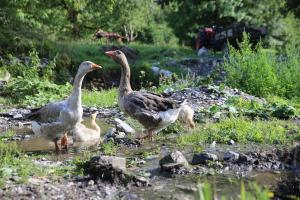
x: 28, y: 142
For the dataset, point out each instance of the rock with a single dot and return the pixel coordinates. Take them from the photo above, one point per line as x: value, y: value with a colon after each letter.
x: 168, y: 91
x: 173, y: 160
x: 18, y: 116
x: 122, y: 126
x: 155, y: 70
x: 213, y: 144
x: 20, y: 124
x: 91, y: 182
x: 165, y: 73
x: 243, y: 158
x: 120, y: 135
x: 204, y: 158
x: 112, y: 169
x: 115, y: 162
x: 231, y: 156
x: 107, y: 168
x: 110, y: 134
x: 231, y: 142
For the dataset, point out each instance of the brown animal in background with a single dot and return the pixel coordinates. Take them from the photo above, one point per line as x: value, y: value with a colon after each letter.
x: 109, y: 36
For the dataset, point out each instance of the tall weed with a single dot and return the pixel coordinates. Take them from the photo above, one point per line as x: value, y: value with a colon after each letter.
x: 261, y: 72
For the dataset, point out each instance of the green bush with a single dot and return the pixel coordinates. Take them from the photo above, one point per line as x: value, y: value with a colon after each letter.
x: 262, y: 73
x: 34, y: 92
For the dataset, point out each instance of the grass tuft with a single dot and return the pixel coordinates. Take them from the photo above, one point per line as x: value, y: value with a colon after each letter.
x: 104, y: 98
x: 243, y: 130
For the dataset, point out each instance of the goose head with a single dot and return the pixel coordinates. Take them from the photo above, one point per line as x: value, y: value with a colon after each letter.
x: 117, y: 56
x: 93, y: 116
x: 87, y: 66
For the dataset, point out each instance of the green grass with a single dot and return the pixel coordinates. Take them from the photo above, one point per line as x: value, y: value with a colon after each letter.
x: 104, y: 98
x: 109, y: 148
x: 78, y: 51
x: 17, y: 165
x: 243, y: 131
x: 261, y: 72
x: 207, y: 191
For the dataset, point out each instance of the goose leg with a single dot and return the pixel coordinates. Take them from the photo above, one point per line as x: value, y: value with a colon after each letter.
x: 64, y: 141
x: 149, y: 135
x: 56, y: 145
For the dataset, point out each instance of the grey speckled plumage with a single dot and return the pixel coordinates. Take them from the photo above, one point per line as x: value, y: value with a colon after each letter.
x: 146, y: 106
x: 47, y: 113
x: 153, y: 111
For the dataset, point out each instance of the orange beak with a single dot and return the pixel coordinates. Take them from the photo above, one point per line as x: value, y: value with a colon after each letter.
x: 110, y: 53
x: 95, y: 66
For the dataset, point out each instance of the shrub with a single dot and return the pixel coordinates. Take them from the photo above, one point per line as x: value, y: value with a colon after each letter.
x: 261, y: 72
x: 34, y: 92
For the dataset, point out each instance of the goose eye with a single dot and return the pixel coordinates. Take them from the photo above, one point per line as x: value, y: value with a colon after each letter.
x: 118, y: 52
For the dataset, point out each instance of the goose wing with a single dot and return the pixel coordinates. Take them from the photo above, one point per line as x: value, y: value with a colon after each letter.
x: 151, y: 102
x: 47, y: 113
x: 145, y: 107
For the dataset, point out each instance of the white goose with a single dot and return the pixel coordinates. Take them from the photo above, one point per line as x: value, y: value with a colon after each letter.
x: 61, y: 117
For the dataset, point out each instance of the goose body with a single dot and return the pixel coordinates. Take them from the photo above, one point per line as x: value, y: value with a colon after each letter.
x: 55, y: 119
x: 153, y: 111
x: 83, y: 134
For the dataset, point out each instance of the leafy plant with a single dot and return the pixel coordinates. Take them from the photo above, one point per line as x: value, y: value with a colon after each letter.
x: 205, y: 191
x: 109, y: 148
x: 35, y: 92
x: 261, y: 73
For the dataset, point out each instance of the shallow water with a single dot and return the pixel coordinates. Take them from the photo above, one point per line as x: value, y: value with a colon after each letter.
x: 32, y: 143
x: 163, y: 185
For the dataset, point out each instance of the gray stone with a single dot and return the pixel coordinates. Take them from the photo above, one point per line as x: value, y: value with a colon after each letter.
x: 91, y: 182
x: 231, y: 142
x: 168, y: 91
x: 231, y: 156
x: 243, y: 158
x: 173, y: 160
x: 213, y: 144
x: 115, y: 162
x: 165, y: 73
x: 204, y: 158
x: 120, y: 135
x: 18, y: 116
x: 155, y: 70
x: 121, y: 125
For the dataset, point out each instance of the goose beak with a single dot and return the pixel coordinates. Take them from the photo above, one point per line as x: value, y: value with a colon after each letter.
x: 95, y: 66
x: 110, y: 53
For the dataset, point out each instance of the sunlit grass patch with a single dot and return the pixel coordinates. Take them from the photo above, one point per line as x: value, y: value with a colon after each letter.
x: 3, y: 101
x: 109, y: 148
x: 104, y: 98
x: 253, y: 191
x: 243, y: 131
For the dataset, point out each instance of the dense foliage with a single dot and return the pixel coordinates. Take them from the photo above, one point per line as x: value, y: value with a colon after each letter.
x: 26, y: 24
x: 262, y: 72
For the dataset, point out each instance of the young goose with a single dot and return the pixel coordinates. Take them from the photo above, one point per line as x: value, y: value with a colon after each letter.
x: 58, y: 118
x: 83, y: 134
x: 151, y: 110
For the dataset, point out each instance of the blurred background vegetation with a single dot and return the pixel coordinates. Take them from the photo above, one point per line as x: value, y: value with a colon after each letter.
x: 62, y: 32
x: 26, y: 24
